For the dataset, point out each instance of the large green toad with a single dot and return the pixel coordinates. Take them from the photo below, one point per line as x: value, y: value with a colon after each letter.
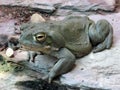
x: 67, y: 39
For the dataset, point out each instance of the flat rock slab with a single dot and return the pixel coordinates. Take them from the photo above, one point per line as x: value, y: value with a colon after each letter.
x: 49, y: 6
x: 99, y: 69
x: 45, y: 8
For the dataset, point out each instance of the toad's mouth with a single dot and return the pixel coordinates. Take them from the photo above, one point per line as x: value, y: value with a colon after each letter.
x: 24, y: 47
x: 31, y: 48
x: 46, y: 49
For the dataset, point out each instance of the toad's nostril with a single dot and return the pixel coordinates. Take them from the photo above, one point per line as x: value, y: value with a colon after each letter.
x: 22, y: 47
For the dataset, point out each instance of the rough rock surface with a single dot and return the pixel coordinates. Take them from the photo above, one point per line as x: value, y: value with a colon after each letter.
x: 50, y: 6
x: 70, y: 7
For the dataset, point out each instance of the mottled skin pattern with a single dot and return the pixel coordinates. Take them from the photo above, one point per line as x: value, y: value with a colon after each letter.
x: 66, y: 39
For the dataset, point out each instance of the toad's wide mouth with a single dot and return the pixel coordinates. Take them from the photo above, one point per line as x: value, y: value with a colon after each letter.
x: 23, y: 47
x: 30, y: 47
x: 45, y: 49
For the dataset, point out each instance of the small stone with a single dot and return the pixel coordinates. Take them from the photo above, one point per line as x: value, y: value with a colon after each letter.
x: 9, y: 52
x: 35, y: 18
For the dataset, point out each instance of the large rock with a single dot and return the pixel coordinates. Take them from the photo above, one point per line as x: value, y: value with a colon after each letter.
x: 99, y: 69
x: 68, y: 6
x: 42, y: 7
x: 86, y: 5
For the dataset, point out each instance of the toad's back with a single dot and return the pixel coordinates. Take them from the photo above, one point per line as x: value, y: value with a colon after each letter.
x: 75, y: 33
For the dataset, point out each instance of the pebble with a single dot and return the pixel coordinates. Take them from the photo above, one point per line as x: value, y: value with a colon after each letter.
x: 35, y: 18
x: 9, y: 52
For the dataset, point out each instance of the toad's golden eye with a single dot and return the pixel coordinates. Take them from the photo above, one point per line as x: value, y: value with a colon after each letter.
x: 40, y: 37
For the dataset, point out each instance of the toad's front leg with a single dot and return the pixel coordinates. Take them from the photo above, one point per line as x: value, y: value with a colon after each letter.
x: 65, y: 63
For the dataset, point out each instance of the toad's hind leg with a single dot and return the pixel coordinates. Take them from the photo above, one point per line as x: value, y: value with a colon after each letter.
x: 101, y: 35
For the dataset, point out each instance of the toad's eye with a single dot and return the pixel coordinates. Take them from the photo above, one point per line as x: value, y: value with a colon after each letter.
x: 40, y: 37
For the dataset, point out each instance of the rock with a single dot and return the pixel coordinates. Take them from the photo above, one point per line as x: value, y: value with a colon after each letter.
x: 85, y: 6
x: 20, y: 56
x: 36, y: 18
x: 49, y: 9
x: 45, y: 8
x: 101, y: 69
x: 49, y: 6
x: 9, y: 52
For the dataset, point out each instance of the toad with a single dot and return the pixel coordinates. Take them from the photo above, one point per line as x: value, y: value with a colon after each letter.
x: 68, y: 39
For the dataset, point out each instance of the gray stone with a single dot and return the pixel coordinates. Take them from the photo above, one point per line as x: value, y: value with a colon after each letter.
x: 70, y: 6
x: 42, y: 7
x: 80, y: 5
x: 20, y: 55
x: 87, y: 5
